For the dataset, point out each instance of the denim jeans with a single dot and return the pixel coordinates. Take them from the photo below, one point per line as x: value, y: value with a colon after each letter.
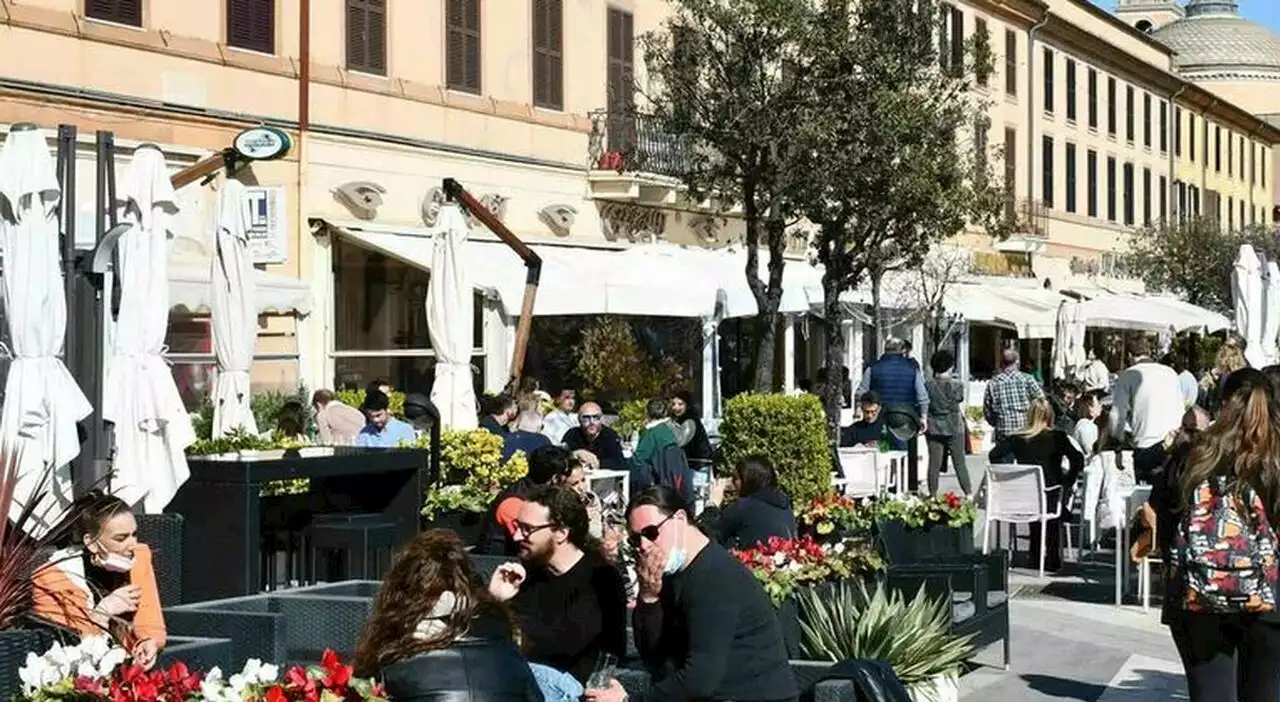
x: 556, y: 685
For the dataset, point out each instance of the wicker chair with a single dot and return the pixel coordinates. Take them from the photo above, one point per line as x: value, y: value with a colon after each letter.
x: 163, y: 533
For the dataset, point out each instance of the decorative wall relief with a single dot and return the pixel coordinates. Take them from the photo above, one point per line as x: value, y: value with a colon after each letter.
x: 632, y: 222
x: 361, y: 197
x: 496, y: 204
x: 705, y: 227
x: 429, y: 208
x: 558, y: 218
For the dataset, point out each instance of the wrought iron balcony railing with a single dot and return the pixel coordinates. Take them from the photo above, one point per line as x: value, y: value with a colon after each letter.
x: 632, y: 143
x: 1030, y: 218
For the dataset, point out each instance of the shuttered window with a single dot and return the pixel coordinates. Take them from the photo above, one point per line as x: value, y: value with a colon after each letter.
x: 119, y: 11
x: 621, y: 63
x: 251, y: 24
x: 548, y: 54
x: 462, y: 42
x: 367, y: 36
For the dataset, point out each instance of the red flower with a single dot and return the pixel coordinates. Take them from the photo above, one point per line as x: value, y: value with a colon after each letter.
x: 953, y: 500
x: 84, y: 683
x: 337, y: 675
x: 276, y: 694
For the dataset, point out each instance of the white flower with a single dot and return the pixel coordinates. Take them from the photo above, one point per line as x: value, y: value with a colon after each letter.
x: 111, y: 660
x: 32, y: 674
x: 779, y: 559
x: 268, y: 673
x: 838, y: 548
x: 238, y: 683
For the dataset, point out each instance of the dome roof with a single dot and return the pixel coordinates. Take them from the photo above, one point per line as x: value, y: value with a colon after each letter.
x: 1214, y: 40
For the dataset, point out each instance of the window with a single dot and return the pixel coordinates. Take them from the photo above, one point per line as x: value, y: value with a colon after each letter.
x: 251, y: 24
x: 1146, y: 120
x: 1130, y: 108
x: 1111, y: 106
x: 944, y: 37
x: 1048, y: 80
x: 1164, y: 126
x: 1010, y: 62
x: 621, y: 60
x: 1071, y: 90
x: 1193, y: 200
x: 1182, y: 200
x: 957, y: 41
x: 1242, y: 144
x: 1231, y: 214
x: 1146, y: 196
x: 1128, y: 195
x: 1010, y: 171
x: 119, y: 11
x: 1191, y: 138
x: 1231, y: 161
x: 1217, y: 149
x: 1206, y: 142
x: 1071, y: 178
x: 1253, y: 164
x: 1046, y: 166
x: 367, y: 36
x: 1111, y: 188
x: 548, y: 54
x: 1093, y: 99
x: 1091, y: 177
x: 462, y: 46
x: 982, y: 42
x: 1242, y: 222
x: 1164, y: 198
x: 981, y: 128
x: 1177, y: 131
x: 380, y: 324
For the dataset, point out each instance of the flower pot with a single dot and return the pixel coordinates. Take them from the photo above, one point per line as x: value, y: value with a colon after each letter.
x: 906, y: 545
x: 467, y: 525
x: 941, y: 688
x: 789, y: 620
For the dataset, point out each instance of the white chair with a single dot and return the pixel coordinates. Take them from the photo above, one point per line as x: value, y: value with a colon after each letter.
x: 1133, y: 504
x: 863, y: 474
x: 1016, y: 494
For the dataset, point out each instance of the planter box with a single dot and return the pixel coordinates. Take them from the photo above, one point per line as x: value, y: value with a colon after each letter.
x: 942, y: 688
x: 15, y: 644
x: 904, y: 545
x: 467, y: 525
x: 198, y: 653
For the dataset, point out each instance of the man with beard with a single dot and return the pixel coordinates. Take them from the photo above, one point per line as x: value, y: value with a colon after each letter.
x: 571, y: 602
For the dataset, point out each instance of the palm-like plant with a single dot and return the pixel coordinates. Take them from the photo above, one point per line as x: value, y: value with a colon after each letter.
x: 22, y: 552
x: 849, y: 622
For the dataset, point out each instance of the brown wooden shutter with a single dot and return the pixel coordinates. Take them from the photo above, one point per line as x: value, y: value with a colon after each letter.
x: 120, y: 11
x: 367, y: 36
x: 621, y: 51
x: 548, y: 54
x: 462, y: 46
x: 251, y: 24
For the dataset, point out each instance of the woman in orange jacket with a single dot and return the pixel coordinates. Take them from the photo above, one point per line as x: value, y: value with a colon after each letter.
x: 104, y: 582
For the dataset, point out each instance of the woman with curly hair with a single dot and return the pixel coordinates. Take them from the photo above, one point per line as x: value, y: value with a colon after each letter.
x: 437, y: 634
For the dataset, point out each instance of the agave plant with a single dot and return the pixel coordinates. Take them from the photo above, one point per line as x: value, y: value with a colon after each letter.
x: 847, y: 622
x: 24, y: 547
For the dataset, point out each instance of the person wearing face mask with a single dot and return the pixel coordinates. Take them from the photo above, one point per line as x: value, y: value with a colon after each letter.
x: 104, y: 582
x: 704, y: 626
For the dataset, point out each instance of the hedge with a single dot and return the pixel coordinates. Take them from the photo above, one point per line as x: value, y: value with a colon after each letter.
x: 791, y: 431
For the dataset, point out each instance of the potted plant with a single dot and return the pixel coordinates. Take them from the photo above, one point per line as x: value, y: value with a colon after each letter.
x: 833, y: 518
x: 852, y: 621
x: 912, y: 529
x: 978, y: 428
x: 471, y: 476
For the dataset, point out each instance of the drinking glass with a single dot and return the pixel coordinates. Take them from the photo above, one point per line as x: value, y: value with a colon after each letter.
x: 606, y: 663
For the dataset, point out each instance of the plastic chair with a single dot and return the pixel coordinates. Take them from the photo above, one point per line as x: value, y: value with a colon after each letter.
x: 1016, y: 494
x: 857, y: 465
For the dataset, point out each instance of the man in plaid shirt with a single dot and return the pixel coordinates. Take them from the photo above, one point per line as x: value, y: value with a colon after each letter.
x: 1005, y: 404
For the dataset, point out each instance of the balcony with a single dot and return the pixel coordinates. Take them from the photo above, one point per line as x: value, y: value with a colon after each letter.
x: 630, y: 159
x: 1030, y: 229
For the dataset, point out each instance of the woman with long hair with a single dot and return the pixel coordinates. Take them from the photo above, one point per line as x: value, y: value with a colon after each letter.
x: 1040, y: 444
x: 690, y: 433
x: 1228, y: 655
x: 761, y: 511
x: 436, y: 633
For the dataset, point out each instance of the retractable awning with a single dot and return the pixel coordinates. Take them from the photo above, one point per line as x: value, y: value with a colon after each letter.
x: 192, y: 289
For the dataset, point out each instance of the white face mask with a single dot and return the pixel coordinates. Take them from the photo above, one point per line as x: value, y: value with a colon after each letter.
x: 114, y: 562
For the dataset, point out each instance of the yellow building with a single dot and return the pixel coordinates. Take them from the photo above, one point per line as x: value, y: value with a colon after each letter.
x: 511, y: 98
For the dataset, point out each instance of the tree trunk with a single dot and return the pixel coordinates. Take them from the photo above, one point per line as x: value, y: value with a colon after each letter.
x: 768, y: 298
x: 833, y: 361
x: 877, y: 311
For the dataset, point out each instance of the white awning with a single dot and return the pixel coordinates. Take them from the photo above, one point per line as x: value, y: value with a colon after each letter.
x: 661, y: 280
x: 1032, y: 312
x: 191, y: 289
x: 1150, y: 314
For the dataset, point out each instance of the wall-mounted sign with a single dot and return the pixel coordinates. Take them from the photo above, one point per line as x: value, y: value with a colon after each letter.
x: 268, y: 241
x: 262, y: 143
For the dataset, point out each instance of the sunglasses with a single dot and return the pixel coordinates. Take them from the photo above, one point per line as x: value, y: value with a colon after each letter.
x: 589, y: 418
x: 649, y: 533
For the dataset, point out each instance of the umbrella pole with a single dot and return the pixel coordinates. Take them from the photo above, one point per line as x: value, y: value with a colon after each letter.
x: 532, y: 262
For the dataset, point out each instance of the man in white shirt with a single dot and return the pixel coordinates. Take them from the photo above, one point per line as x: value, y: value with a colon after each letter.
x: 1094, y: 375
x: 1147, y: 404
x: 562, y: 418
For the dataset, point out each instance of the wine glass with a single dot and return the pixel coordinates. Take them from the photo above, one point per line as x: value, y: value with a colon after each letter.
x: 606, y: 663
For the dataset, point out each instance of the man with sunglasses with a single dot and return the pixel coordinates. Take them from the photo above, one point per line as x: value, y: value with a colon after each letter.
x: 571, y: 602
x: 592, y: 435
x: 704, y: 626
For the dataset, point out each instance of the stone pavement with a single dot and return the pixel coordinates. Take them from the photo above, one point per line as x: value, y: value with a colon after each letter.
x: 1070, y: 640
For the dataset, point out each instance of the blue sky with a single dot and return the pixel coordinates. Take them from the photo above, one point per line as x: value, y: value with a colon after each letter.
x: 1265, y: 11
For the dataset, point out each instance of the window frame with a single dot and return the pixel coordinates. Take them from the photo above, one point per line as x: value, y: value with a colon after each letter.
x: 550, y: 97
x: 468, y: 76
x: 132, y: 10
x: 364, y: 64
x: 269, y: 40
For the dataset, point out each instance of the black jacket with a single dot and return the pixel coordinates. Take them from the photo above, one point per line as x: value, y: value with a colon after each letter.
x: 483, y: 666
x: 751, y: 520
x: 607, y: 446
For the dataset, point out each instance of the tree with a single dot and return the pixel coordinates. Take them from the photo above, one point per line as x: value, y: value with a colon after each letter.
x: 1193, y: 259
x: 897, y: 125
x: 725, y: 78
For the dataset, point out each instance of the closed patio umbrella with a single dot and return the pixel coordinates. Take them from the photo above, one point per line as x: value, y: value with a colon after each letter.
x: 42, y: 402
x: 451, y: 322
x: 1271, y: 313
x: 151, y: 426
x: 1246, y: 288
x: 235, y: 317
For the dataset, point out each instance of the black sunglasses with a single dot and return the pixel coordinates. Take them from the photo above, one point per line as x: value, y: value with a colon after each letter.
x: 650, y: 532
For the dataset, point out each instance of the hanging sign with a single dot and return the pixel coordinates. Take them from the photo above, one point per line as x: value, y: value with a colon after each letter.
x: 262, y: 144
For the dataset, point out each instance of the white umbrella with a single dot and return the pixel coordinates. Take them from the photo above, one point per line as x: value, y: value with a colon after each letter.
x: 451, y: 322
x: 1077, y: 356
x: 1246, y: 286
x: 42, y: 401
x: 1271, y: 315
x: 151, y: 425
x: 1062, y: 365
x: 235, y: 318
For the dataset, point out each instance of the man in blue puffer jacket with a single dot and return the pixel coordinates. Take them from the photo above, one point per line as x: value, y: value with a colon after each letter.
x: 900, y: 384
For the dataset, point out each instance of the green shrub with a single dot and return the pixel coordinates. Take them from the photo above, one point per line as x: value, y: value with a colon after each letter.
x: 791, y: 431
x: 266, y: 406
x: 355, y: 398
x: 631, y: 418
x: 471, y: 471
